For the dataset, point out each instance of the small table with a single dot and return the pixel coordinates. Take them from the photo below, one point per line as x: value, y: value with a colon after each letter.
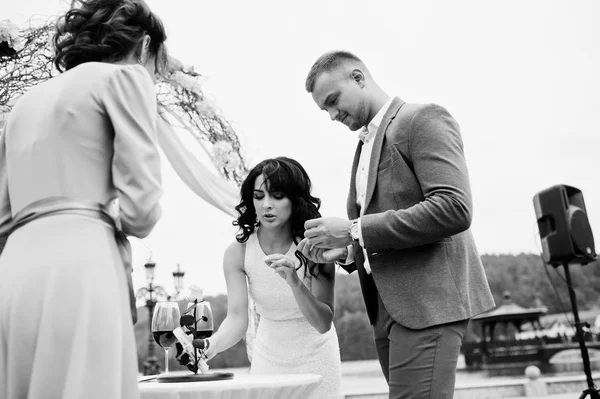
x: 243, y: 386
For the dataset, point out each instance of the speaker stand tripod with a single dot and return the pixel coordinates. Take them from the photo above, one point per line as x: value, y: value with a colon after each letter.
x: 591, y: 390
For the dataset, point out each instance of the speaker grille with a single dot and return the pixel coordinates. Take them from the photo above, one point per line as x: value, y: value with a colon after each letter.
x: 581, y: 233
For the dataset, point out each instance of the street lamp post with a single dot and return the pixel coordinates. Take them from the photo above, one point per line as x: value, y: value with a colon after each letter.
x: 178, y: 280
x: 152, y: 293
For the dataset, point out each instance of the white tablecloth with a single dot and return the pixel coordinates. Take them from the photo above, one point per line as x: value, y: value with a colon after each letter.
x: 246, y: 386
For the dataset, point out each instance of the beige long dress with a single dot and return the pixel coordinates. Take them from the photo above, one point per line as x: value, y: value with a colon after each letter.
x: 65, y: 324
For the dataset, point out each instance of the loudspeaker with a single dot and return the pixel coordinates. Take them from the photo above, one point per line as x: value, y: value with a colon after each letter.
x: 564, y: 227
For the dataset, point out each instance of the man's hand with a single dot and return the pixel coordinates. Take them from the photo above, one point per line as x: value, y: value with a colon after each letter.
x: 321, y: 255
x: 328, y: 232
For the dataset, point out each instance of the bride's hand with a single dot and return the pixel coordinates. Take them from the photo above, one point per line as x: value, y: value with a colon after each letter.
x: 284, y: 266
x: 204, y: 345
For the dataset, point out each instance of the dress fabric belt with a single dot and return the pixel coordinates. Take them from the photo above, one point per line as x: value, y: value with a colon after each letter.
x: 65, y: 206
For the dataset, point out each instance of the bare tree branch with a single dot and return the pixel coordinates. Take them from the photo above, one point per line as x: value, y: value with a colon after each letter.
x: 180, y: 93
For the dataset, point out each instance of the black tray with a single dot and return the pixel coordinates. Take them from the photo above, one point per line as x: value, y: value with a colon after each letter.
x: 176, y: 377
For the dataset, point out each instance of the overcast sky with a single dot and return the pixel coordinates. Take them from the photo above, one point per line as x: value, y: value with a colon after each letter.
x: 521, y: 78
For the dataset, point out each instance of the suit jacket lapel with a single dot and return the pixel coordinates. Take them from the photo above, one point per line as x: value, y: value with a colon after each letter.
x: 395, y: 106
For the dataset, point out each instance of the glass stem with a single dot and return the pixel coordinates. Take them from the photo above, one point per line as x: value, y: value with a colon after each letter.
x: 166, y: 360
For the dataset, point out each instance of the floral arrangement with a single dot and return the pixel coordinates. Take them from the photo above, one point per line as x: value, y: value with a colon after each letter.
x: 224, y: 156
x: 26, y: 59
x: 180, y: 94
x: 194, y: 293
x: 10, y: 38
x: 189, y: 322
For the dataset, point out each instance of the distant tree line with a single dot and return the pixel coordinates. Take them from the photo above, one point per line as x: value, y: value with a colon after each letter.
x: 530, y: 282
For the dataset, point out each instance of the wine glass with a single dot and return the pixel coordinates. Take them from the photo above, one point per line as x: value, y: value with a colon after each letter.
x: 204, y: 319
x: 164, y: 320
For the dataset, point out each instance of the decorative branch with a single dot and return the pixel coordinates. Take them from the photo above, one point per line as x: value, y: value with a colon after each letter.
x: 26, y: 59
x: 180, y: 95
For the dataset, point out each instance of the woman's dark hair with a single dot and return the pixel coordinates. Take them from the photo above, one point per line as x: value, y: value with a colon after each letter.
x: 287, y: 176
x: 107, y: 31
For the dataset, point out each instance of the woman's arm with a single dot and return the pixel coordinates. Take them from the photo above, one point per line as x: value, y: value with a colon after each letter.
x: 235, y: 324
x: 315, y: 304
x: 129, y: 100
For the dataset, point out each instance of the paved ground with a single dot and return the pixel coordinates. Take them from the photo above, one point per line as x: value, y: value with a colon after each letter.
x: 365, y: 376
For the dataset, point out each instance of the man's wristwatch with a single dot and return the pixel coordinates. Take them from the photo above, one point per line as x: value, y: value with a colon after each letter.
x: 354, y: 230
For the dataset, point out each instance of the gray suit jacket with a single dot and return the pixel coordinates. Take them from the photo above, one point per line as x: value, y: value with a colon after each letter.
x: 418, y: 211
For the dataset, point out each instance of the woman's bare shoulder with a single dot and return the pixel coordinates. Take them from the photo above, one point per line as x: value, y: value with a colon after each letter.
x: 234, y: 256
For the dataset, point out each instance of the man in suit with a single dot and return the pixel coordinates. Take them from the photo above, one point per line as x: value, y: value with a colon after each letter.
x: 409, y: 209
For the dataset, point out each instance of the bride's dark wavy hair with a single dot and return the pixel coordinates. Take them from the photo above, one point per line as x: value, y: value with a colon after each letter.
x: 107, y: 31
x: 287, y: 176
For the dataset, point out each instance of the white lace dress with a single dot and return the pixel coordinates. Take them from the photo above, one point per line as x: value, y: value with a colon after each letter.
x: 286, y: 343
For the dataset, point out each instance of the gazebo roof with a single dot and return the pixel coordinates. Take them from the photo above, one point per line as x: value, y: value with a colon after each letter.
x: 510, y: 311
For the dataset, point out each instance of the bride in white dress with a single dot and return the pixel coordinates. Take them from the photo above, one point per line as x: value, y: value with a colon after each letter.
x: 293, y: 296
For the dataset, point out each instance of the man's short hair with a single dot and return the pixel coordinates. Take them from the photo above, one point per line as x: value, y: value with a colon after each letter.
x: 325, y: 63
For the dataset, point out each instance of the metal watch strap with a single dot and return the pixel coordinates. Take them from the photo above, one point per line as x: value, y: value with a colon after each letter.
x: 354, y: 230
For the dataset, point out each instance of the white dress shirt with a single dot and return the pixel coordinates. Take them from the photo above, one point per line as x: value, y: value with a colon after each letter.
x: 367, y: 135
